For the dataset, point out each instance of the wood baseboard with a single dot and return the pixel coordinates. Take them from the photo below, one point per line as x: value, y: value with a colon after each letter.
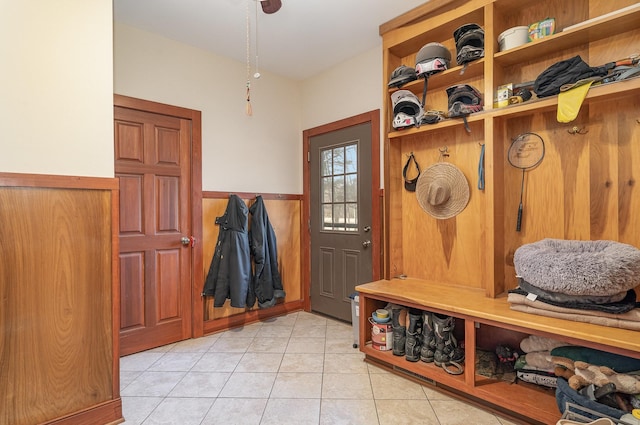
x: 109, y: 413
x: 252, y: 316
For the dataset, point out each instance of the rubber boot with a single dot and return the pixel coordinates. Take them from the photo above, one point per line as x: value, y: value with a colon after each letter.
x: 414, y: 336
x: 447, y: 349
x: 398, y: 320
x: 428, y: 349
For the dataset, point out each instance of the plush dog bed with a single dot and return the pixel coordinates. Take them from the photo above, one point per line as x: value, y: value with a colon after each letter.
x: 579, y: 267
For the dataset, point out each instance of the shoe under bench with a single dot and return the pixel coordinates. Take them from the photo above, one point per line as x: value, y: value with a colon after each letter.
x: 482, y: 321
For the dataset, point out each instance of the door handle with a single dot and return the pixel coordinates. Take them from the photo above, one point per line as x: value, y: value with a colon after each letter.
x: 188, y: 241
x: 366, y: 244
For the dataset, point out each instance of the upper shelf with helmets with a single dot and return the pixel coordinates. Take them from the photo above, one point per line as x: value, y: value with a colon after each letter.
x: 446, y: 78
x: 575, y: 27
x: 407, y: 41
x: 456, y: 94
x: 610, y: 27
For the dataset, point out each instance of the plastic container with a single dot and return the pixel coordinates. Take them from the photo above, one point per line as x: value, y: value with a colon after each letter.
x: 513, y: 37
x: 381, y: 335
x: 632, y: 418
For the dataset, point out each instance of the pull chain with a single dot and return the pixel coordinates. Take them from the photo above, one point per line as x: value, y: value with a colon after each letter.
x: 249, y: 110
x: 256, y: 75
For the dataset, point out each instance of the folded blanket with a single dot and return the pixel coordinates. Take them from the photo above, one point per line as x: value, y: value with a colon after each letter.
x: 579, y: 317
x: 616, y: 362
x: 534, y: 343
x: 538, y: 360
x: 623, y: 306
x: 564, y: 298
x: 629, y: 320
x: 515, y: 298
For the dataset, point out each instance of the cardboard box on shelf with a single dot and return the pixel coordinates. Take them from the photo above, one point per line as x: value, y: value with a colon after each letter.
x: 503, y: 93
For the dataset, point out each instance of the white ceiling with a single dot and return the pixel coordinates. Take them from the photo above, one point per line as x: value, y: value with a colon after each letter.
x: 304, y: 38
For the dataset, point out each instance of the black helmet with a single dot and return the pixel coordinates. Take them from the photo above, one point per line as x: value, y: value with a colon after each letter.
x: 463, y: 100
x: 431, y: 59
x: 401, y: 76
x: 469, y: 43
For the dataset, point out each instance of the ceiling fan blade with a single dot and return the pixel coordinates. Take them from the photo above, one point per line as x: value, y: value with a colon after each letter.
x: 270, y: 6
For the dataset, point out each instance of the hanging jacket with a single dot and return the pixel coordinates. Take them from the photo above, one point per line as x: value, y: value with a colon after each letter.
x: 267, y: 282
x: 229, y: 274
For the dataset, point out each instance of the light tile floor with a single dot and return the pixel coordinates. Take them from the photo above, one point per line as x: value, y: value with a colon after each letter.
x: 295, y: 369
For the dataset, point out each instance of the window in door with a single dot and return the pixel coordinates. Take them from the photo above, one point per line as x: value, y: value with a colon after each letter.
x: 339, y: 192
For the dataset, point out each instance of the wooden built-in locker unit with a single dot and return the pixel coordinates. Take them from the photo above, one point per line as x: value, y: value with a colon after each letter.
x: 584, y: 188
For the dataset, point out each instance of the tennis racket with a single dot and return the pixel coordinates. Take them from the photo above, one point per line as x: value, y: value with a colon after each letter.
x: 525, y: 152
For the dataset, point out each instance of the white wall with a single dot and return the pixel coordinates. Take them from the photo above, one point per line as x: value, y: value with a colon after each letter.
x: 260, y: 153
x: 345, y: 90
x: 56, y: 100
x: 63, y: 60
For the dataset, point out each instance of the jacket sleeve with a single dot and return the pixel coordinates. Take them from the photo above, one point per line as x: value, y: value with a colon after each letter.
x: 216, y: 284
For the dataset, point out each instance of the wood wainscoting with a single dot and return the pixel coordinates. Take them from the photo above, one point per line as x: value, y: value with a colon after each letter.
x: 59, y: 358
x: 285, y: 216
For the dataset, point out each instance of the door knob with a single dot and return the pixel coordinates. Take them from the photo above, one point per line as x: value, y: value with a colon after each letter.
x: 366, y: 244
x: 188, y: 241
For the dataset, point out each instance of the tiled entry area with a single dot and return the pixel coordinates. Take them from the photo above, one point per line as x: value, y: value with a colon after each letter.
x: 295, y: 369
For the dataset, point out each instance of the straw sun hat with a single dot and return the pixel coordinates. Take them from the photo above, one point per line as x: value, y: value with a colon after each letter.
x: 442, y: 190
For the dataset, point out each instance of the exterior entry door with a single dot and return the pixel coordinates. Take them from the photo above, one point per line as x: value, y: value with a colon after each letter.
x: 152, y: 162
x: 340, y: 217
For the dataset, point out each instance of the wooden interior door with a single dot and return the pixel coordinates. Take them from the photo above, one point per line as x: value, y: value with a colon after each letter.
x: 152, y: 162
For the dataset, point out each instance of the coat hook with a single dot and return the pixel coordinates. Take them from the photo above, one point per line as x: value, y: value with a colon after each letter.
x: 444, y: 152
x: 576, y: 130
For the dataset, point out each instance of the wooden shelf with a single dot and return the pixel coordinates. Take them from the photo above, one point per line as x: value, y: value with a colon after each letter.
x: 615, y: 24
x: 406, y: 41
x: 472, y: 304
x: 471, y: 307
x: 535, y: 403
x: 450, y: 122
x: 600, y: 92
x: 445, y: 79
x: 584, y: 189
x: 425, y: 370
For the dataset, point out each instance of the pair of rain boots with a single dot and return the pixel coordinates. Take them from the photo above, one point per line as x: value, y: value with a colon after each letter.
x: 439, y: 345
x: 407, y: 333
x: 426, y: 336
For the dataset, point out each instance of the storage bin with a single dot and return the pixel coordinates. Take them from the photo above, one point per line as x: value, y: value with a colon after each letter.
x: 513, y: 37
x: 355, y: 318
x: 381, y: 335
